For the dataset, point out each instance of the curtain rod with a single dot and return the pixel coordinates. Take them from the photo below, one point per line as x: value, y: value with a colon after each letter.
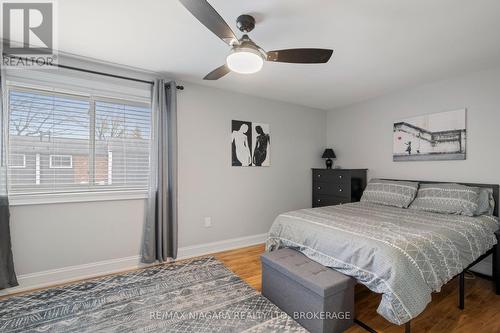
x: 96, y: 72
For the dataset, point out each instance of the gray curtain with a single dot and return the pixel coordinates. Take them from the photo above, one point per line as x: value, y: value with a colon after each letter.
x: 7, y: 273
x: 160, y: 228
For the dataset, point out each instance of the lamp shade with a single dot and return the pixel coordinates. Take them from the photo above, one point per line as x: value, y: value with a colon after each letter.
x: 328, y: 153
x: 245, y: 61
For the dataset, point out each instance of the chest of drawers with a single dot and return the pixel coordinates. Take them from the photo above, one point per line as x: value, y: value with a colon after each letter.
x: 337, y: 186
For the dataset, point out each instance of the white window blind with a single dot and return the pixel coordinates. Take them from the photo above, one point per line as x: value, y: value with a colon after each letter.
x: 44, y: 124
x: 17, y: 161
x: 74, y: 143
x: 122, y: 132
x: 60, y: 161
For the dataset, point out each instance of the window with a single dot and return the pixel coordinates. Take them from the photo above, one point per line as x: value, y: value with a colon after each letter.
x: 70, y: 144
x: 122, y: 132
x: 17, y: 161
x: 60, y: 161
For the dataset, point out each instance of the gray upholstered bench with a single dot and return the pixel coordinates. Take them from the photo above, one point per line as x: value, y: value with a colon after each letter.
x: 319, y: 298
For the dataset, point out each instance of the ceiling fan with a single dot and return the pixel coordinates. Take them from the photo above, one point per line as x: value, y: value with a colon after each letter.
x: 246, y: 57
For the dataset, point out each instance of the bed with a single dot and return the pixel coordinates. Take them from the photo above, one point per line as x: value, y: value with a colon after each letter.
x: 403, y: 254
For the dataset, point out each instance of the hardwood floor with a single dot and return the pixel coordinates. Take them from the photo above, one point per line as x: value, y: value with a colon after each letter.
x: 245, y: 263
x: 481, y: 313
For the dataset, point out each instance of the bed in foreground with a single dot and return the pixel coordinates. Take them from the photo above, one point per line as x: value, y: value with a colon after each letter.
x: 404, y: 254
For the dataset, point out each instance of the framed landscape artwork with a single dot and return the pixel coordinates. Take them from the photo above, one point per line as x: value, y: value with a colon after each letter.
x: 250, y: 144
x: 432, y: 137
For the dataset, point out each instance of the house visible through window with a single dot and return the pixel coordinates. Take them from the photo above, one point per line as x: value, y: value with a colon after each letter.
x: 17, y: 161
x: 121, y: 144
x: 61, y: 161
x: 69, y: 143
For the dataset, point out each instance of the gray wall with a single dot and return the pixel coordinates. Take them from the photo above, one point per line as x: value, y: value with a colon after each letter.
x: 362, y: 137
x: 362, y: 134
x: 54, y: 236
x: 241, y: 201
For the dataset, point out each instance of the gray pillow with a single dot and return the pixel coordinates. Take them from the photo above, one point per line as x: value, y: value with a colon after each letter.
x: 390, y: 192
x: 447, y: 198
x: 486, y: 202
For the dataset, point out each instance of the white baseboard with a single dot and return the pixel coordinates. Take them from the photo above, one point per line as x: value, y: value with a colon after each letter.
x: 67, y: 274
x: 214, y: 247
x: 73, y: 273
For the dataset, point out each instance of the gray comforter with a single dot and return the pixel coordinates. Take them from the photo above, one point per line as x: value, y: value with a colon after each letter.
x: 403, y: 254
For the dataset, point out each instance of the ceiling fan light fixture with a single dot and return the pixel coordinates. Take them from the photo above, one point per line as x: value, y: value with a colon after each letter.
x: 245, y: 60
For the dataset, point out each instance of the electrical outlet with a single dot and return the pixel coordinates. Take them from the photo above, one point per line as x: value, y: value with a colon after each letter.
x: 207, y: 222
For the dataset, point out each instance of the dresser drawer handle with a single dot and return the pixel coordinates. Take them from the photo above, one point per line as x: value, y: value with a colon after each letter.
x: 340, y: 177
x: 340, y: 190
x: 319, y: 176
x: 319, y: 200
x: 319, y: 187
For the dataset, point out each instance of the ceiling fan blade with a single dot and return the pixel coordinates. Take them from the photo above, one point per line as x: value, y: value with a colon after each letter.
x: 209, y: 17
x: 300, y: 56
x: 217, y: 73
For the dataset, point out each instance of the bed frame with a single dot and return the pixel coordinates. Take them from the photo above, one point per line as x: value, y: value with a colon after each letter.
x: 495, y: 251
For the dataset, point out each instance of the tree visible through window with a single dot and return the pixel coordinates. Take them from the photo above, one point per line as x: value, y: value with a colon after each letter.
x: 122, y: 144
x: 75, y: 143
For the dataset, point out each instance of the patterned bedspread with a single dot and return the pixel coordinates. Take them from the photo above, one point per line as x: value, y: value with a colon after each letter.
x: 403, y: 254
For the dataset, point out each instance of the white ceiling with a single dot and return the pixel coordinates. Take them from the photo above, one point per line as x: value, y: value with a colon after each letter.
x: 379, y: 46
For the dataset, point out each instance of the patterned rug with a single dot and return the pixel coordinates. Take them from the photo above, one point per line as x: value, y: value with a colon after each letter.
x: 199, y: 295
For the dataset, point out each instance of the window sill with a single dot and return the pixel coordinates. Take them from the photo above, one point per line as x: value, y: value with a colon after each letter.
x: 58, y: 198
